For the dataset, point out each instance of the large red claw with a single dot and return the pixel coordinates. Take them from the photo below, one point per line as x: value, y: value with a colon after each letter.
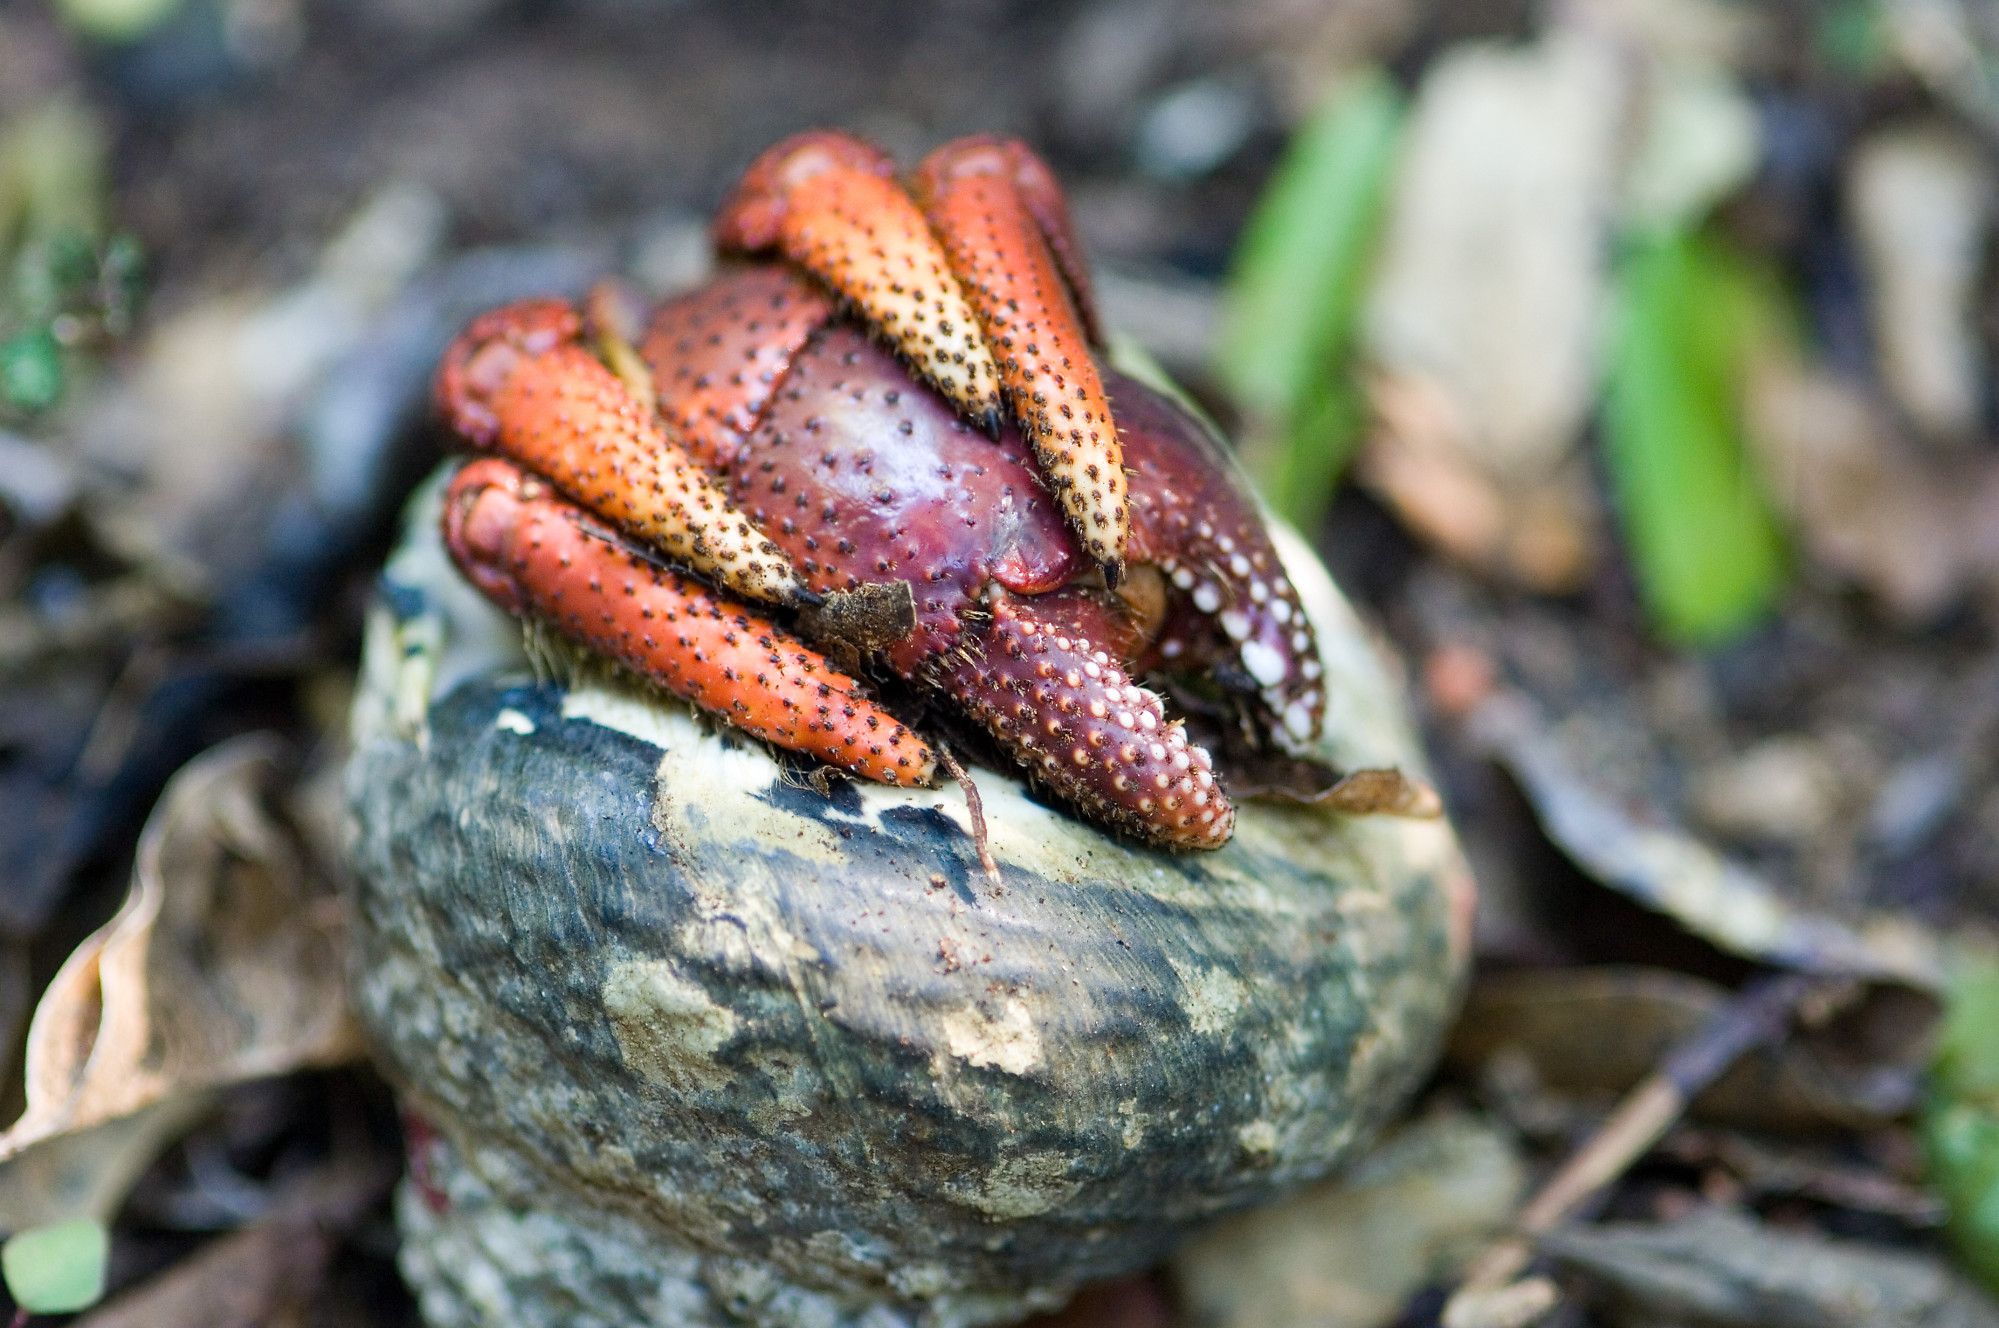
x: 829, y: 202
x: 1065, y: 710
x: 1233, y: 602
x: 992, y: 227
x: 534, y: 553
x: 518, y: 381
x: 718, y: 353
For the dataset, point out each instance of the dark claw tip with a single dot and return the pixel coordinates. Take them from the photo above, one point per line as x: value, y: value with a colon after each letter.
x: 810, y: 599
x: 1113, y: 573
x: 990, y: 422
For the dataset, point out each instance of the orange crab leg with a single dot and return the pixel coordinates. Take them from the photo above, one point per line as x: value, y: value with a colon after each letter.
x: 518, y: 381
x: 718, y: 353
x: 1042, y: 196
x: 829, y: 202
x: 533, y: 552
x: 972, y: 192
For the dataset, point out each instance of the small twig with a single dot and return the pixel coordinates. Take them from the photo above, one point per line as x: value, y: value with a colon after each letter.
x: 1758, y: 1015
x: 978, y: 811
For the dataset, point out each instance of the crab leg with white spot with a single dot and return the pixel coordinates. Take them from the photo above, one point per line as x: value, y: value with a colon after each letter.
x: 1065, y: 710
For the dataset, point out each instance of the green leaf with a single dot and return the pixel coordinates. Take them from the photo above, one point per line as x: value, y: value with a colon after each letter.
x: 1295, y: 287
x: 31, y: 372
x: 1300, y: 478
x: 1690, y: 316
x: 1851, y: 37
x: 1961, y: 1119
x: 57, y: 1269
x: 117, y: 20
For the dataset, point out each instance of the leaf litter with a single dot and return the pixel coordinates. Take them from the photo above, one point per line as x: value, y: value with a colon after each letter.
x: 1668, y: 412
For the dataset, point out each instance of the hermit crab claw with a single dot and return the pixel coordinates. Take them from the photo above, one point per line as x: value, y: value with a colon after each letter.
x: 519, y: 381
x: 1006, y: 230
x: 829, y: 202
x: 977, y: 280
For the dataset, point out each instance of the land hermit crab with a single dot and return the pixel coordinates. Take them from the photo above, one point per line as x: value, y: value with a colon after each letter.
x: 887, y: 423
x: 688, y: 1035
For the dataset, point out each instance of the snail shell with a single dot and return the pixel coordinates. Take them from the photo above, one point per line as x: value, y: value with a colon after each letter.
x: 688, y: 1041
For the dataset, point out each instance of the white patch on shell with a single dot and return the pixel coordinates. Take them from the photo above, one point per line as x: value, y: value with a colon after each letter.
x: 667, y: 1028
x: 1211, y: 998
x: 513, y: 721
x: 1019, y: 1186
x: 1009, y: 1042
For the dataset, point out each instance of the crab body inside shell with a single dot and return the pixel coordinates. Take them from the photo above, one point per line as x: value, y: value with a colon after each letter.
x: 887, y: 393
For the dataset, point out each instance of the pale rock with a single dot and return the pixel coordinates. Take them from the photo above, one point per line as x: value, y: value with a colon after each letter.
x: 1920, y: 203
x: 1492, y: 278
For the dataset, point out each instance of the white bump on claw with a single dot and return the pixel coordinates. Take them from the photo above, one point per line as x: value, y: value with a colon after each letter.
x: 1281, y: 611
x: 1258, y: 592
x: 1236, y: 623
x: 1171, y: 649
x: 1208, y: 597
x: 1265, y: 663
x: 1239, y: 565
x: 1301, y: 642
x: 1183, y: 578
x: 1148, y: 721
x: 1180, y: 761
x: 1158, y: 752
x: 1298, y: 720
x: 1310, y: 669
x: 1124, y: 719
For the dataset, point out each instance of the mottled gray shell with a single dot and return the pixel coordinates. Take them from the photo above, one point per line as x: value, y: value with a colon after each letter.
x: 705, y: 1046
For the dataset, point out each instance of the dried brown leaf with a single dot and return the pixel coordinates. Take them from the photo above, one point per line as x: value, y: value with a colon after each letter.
x: 225, y: 962
x: 1383, y: 793
x: 1603, y: 1029
x: 1915, y: 528
x: 1421, y: 459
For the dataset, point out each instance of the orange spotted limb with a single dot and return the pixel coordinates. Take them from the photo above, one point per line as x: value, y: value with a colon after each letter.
x: 830, y: 203
x: 519, y: 381
x: 1065, y: 710
x: 1026, y: 296
x: 535, y: 553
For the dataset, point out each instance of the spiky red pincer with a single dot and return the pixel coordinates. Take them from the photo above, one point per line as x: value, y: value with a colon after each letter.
x: 536, y: 553
x: 1065, y: 710
x: 718, y: 353
x: 517, y: 380
x: 972, y: 192
x: 829, y: 202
